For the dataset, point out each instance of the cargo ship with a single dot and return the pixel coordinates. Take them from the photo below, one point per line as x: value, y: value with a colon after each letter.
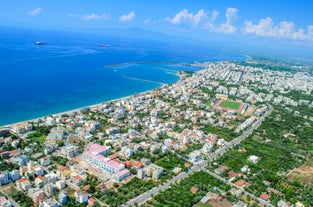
x: 105, y: 46
x: 41, y: 43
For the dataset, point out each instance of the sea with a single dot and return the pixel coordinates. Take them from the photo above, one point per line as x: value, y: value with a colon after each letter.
x: 72, y: 70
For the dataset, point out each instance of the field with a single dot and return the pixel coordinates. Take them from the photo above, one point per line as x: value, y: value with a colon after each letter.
x: 303, y: 174
x: 230, y: 104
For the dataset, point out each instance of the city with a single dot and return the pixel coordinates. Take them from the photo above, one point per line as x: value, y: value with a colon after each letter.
x: 231, y: 134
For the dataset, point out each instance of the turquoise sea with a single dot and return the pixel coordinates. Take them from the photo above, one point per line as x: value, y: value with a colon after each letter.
x: 69, y: 72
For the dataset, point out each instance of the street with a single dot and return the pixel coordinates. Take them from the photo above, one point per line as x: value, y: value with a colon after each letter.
x: 201, y: 166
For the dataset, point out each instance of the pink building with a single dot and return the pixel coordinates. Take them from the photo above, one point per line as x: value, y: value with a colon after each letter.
x: 95, y: 155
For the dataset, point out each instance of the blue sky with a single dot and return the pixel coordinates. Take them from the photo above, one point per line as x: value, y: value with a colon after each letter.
x: 266, y: 21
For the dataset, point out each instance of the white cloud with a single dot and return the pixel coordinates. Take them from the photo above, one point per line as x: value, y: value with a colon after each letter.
x: 210, y: 23
x: 127, y: 17
x: 185, y: 17
x: 266, y: 27
x: 103, y: 16
x: 228, y: 27
x: 206, y: 20
x: 35, y: 11
x: 147, y: 21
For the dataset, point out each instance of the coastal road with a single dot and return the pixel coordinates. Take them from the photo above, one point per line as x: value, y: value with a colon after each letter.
x: 200, y: 165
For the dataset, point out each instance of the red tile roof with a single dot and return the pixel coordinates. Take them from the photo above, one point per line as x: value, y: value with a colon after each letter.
x: 240, y: 182
x: 86, y: 187
x: 265, y: 196
x: 194, y: 189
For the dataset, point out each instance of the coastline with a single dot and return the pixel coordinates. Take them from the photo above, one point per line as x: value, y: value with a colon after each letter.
x: 100, y: 103
x: 71, y: 111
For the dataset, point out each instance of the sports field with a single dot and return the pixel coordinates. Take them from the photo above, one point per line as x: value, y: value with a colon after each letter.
x: 230, y: 104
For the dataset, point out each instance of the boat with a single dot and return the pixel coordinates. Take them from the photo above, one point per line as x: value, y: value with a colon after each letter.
x: 41, y: 43
x: 105, y: 46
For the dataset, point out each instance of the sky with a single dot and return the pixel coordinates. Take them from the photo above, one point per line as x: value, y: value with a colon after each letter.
x: 287, y: 24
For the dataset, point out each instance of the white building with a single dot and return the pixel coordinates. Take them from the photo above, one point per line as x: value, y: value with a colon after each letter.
x: 153, y: 171
x: 126, y: 151
x: 195, y: 156
x: 50, y: 203
x: 254, y: 159
x: 81, y: 196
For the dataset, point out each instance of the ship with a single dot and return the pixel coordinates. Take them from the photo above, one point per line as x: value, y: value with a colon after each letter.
x: 104, y: 46
x: 41, y: 43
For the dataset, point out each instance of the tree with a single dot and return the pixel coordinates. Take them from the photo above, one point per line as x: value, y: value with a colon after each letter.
x: 115, y: 185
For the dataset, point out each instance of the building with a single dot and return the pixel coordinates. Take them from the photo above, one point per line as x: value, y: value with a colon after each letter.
x: 265, y: 196
x: 63, y: 197
x: 70, y: 151
x: 254, y: 159
x: 21, y: 128
x: 195, y: 156
x: 36, y: 194
x: 282, y: 203
x: 153, y: 171
x: 207, y: 147
x: 49, y: 189
x: 81, y: 196
x: 45, y: 161
x: 141, y: 174
x: 61, y: 184
x: 99, y: 149
x: 4, y: 202
x: 299, y: 204
x: 240, y: 204
x: 4, y: 178
x: 14, y: 175
x: 23, y: 160
x: 221, y: 96
x: 39, y: 181
x: 236, y: 192
x: 194, y: 189
x: 23, y: 184
x: 50, y: 203
x: 95, y: 155
x: 126, y: 151
x: 121, y: 175
x: 50, y: 178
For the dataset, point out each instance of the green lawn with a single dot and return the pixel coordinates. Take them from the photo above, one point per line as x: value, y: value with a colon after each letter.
x: 230, y: 104
x: 208, y: 103
x: 169, y: 162
x: 37, y: 137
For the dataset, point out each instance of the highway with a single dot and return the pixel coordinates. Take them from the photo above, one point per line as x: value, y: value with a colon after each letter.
x: 202, y: 164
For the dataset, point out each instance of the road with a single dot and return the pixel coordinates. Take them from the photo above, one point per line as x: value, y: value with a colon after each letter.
x: 13, y: 202
x: 265, y: 203
x: 200, y: 165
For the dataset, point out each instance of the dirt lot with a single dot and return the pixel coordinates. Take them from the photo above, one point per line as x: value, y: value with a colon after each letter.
x: 304, y: 174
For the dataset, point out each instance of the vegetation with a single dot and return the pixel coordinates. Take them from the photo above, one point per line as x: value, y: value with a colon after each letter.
x: 127, y: 191
x: 9, y: 166
x: 230, y: 104
x: 59, y: 160
x: 37, y: 137
x: 222, y: 132
x: 170, y: 161
x: 283, y: 143
x: 180, y: 195
x: 22, y: 199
